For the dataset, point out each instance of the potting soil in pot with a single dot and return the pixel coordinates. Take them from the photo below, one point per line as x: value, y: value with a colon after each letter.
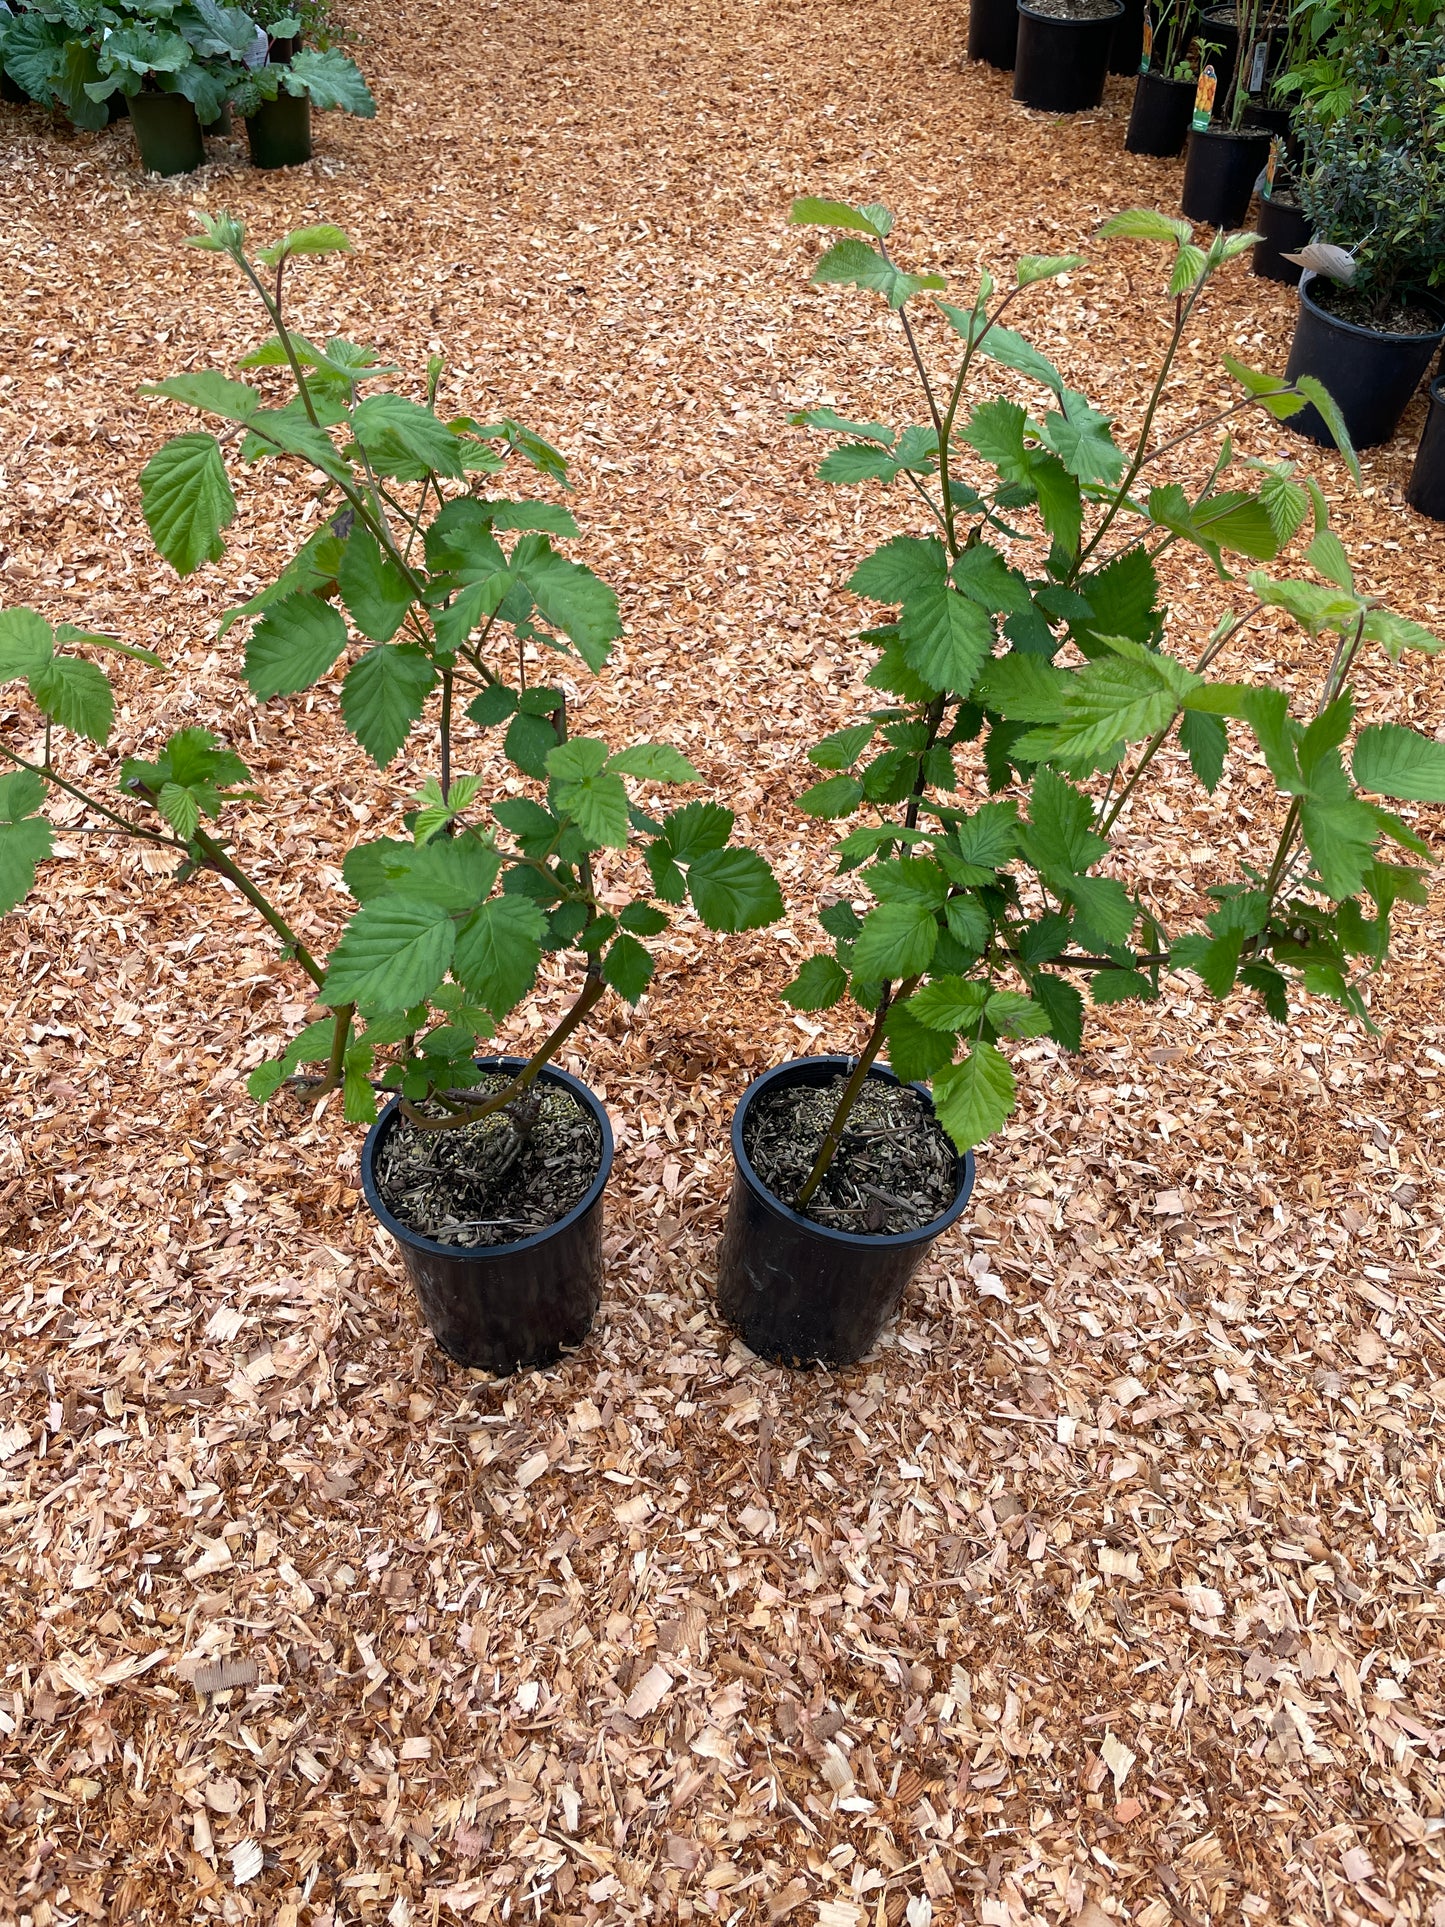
x: 894, y: 1170
x: 1401, y: 316
x: 1073, y: 9
x: 502, y: 1178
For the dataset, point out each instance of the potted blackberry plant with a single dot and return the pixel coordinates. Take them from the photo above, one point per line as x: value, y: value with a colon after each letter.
x: 1164, y: 91
x: 1062, y: 58
x: 447, y: 603
x: 1228, y: 151
x: 1025, y: 688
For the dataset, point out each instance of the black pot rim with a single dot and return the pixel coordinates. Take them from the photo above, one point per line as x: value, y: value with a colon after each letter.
x: 404, y: 1234
x: 1437, y: 390
x: 847, y: 1240
x: 1057, y: 20
x: 1369, y: 334
x: 1213, y: 133
x: 1165, y: 80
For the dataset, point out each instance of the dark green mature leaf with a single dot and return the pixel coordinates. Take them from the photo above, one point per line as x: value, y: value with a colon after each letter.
x: 1060, y: 501
x: 310, y: 1046
x: 588, y: 792
x: 946, y: 637
x: 75, y: 694
x: 627, y: 966
x: 569, y: 597
x: 498, y: 951
x: 187, y: 501
x: 1123, y: 600
x: 733, y: 890
x: 1060, y: 834
x: 452, y: 872
x: 908, y: 879
x: 897, y: 940
x: 376, y: 593
x: 915, y: 1052
x: 1065, y: 1009
x: 973, y: 1098
x: 1025, y: 688
x: 1112, y: 701
x: 1205, y: 740
x: 950, y: 1003
x: 1391, y: 760
x: 384, y: 693
x: 1080, y: 438
x: 393, y: 953
x: 834, y: 796
x: 403, y: 437
x: 982, y: 574
x: 25, y: 837
x: 902, y: 567
x: 818, y: 985
x: 27, y: 643
x: 293, y: 645
x: 1340, y: 831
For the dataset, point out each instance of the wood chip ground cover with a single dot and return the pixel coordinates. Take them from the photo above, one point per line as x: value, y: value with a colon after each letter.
x: 1109, y: 1588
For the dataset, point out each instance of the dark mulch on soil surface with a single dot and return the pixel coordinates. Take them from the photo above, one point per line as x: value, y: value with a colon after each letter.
x: 1073, y: 9
x: 1359, y: 307
x: 893, y: 1172
x: 502, y: 1178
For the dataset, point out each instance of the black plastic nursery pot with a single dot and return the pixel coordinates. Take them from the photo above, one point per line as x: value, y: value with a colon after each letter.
x: 167, y: 133
x: 1284, y: 228
x: 1426, y: 493
x: 1128, y: 43
x: 1062, y: 64
x: 1220, y: 171
x: 1159, y: 119
x: 279, y: 132
x: 500, y: 1307
x: 993, y: 31
x: 801, y: 1293
x: 1370, y: 376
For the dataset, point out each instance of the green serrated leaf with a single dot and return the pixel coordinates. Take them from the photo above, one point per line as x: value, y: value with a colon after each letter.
x: 27, y: 643
x: 75, y: 694
x: 733, y: 890
x: 393, y: 953
x: 293, y: 646
x: 383, y: 695
x: 499, y: 950
x: 819, y: 985
x: 974, y: 1098
x: 1390, y: 760
x: 376, y: 593
x: 187, y: 501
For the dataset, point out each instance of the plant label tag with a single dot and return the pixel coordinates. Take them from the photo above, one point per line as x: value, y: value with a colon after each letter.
x: 1271, y: 168
x: 1204, y: 98
x: 1147, y: 52
x: 1258, y: 60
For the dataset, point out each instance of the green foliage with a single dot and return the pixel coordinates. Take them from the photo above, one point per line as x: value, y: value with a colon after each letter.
x: 1024, y: 641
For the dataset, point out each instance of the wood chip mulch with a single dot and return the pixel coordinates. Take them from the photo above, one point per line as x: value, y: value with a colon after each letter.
x: 1112, y: 1586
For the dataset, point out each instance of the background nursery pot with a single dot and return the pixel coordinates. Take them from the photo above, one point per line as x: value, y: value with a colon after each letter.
x: 279, y: 132
x: 993, y: 31
x: 1159, y: 118
x: 1371, y: 376
x: 1426, y: 493
x: 1062, y: 62
x: 499, y: 1307
x: 1285, y: 228
x: 167, y: 133
x: 1128, y: 42
x: 1220, y: 171
x: 799, y: 1292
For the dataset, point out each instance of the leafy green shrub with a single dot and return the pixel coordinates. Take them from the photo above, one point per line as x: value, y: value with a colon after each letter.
x: 1374, y: 177
x: 1025, y: 651
x: 435, y: 593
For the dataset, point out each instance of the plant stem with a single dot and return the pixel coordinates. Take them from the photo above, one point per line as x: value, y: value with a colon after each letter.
x: 340, y: 1038
x: 216, y: 859
x: 838, y: 1124
x: 593, y: 989
x: 1151, y: 750
x: 446, y: 733
x: 49, y: 775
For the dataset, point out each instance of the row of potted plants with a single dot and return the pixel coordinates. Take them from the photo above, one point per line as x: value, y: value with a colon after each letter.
x: 1335, y: 110
x: 1026, y: 686
x: 181, y: 68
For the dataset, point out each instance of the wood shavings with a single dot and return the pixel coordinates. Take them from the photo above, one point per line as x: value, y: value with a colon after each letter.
x: 1169, y: 1401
